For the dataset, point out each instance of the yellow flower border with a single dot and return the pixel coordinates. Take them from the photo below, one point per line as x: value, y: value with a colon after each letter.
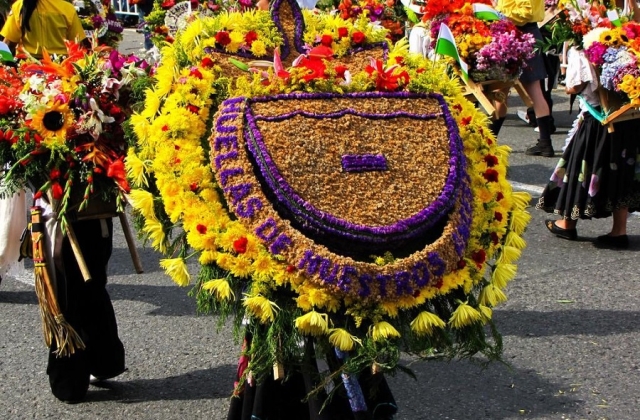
x: 169, y: 132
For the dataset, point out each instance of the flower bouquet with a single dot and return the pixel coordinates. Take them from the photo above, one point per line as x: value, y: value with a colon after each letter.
x: 62, y: 125
x: 493, y: 49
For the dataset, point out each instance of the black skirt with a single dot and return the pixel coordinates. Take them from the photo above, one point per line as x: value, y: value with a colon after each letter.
x: 596, y: 173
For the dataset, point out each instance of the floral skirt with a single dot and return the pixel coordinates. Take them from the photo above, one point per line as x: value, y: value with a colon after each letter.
x: 596, y: 173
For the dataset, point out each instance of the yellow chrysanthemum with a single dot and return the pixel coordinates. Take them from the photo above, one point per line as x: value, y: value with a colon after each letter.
x: 142, y: 201
x: 176, y: 268
x: 136, y: 169
x: 383, y: 330
x: 258, y: 48
x: 515, y: 240
x: 509, y: 254
x: 491, y: 296
x: 220, y: 288
x: 341, y: 339
x: 486, y: 312
x: 464, y: 315
x: 261, y: 308
x: 154, y: 229
x: 426, y: 322
x: 313, y: 323
x: 519, y: 221
x: 503, y: 273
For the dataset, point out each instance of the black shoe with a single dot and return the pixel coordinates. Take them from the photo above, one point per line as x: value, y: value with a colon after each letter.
x: 569, y: 234
x: 94, y: 379
x: 545, y: 150
x: 615, y: 242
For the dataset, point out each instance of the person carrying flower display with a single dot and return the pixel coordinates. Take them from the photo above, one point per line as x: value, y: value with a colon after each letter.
x: 42, y: 24
x: 43, y: 27
x: 526, y: 14
x: 596, y: 176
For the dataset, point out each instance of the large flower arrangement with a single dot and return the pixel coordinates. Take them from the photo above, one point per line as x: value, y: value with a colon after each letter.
x: 614, y: 53
x: 98, y: 18
x: 181, y: 12
x: 576, y: 18
x: 197, y: 198
x: 62, y: 125
x: 390, y: 14
x: 494, y: 50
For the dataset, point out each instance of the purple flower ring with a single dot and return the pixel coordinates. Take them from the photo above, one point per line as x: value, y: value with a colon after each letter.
x: 319, y: 179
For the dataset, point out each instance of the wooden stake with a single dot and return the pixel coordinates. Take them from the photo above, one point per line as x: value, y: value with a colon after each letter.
x: 131, y: 243
x: 77, y: 252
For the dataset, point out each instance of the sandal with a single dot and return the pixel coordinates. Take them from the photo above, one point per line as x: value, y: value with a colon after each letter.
x: 569, y: 234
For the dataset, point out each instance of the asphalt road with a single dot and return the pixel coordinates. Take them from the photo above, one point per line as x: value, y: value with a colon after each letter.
x: 571, y: 332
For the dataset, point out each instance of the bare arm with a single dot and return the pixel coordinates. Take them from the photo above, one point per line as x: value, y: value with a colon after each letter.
x: 575, y: 90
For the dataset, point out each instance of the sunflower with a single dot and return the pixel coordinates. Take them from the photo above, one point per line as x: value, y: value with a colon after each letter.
x: 52, y: 123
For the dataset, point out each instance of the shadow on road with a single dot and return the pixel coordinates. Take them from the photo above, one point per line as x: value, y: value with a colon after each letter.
x: 168, y: 300
x: 461, y: 389
x: 572, y: 322
x: 202, y: 384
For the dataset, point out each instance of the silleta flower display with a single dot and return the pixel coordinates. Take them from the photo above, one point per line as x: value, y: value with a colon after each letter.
x: 65, y: 120
x: 493, y: 49
x: 355, y: 197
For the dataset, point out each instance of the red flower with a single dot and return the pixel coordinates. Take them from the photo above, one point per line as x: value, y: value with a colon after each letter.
x: 223, y: 38
x: 195, y: 73
x: 478, y: 257
x: 342, y: 32
x: 494, y: 238
x: 358, y: 37
x: 117, y: 172
x: 326, y: 40
x: 207, y: 62
x: 465, y: 120
x: 491, y: 175
x: 193, y: 187
x: 168, y: 4
x: 340, y: 69
x: 165, y: 128
x: 498, y: 216
x: 240, y: 245
x: 386, y: 80
x: 462, y: 264
x: 491, y: 160
x: 37, y: 195
x: 290, y: 268
x: 202, y: 229
x: 314, y: 62
x: 193, y: 108
x: 499, y: 196
x: 56, y: 190
x: 54, y: 173
x: 250, y: 37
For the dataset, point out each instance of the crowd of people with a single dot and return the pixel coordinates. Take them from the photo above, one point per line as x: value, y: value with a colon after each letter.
x: 594, y: 178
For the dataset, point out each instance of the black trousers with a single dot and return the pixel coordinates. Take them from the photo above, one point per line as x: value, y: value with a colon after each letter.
x: 87, y: 307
